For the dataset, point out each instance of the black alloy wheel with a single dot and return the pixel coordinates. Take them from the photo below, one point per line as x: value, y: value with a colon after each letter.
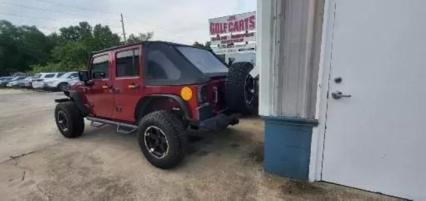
x: 156, y: 142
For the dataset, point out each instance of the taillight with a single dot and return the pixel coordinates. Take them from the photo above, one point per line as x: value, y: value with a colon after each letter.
x: 202, y: 94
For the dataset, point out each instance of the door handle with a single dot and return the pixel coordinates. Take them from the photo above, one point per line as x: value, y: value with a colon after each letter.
x: 133, y: 86
x: 105, y: 86
x: 338, y: 95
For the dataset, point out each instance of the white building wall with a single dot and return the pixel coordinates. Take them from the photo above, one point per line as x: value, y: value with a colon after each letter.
x: 288, y: 37
x: 376, y: 46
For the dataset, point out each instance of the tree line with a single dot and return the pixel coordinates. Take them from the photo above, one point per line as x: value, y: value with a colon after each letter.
x: 27, y: 49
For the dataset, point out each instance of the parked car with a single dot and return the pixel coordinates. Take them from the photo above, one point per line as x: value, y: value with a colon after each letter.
x: 20, y: 74
x: 14, y: 82
x: 4, y: 81
x: 26, y: 82
x: 62, y: 82
x: 158, y: 89
x: 40, y: 79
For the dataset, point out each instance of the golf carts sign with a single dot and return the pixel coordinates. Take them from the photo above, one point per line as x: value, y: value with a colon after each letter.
x: 233, y: 32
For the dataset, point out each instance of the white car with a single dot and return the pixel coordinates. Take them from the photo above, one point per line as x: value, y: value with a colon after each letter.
x: 60, y: 81
x: 26, y: 82
x: 63, y: 81
x: 40, y: 79
x: 14, y: 82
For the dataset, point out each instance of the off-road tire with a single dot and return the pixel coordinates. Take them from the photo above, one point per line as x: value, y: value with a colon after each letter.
x: 173, y: 129
x: 74, y: 120
x: 235, y: 89
x: 63, y: 86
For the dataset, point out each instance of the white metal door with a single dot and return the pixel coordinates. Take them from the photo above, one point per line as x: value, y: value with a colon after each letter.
x: 375, y: 139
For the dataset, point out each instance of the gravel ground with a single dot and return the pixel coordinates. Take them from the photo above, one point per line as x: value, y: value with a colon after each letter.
x: 37, y: 163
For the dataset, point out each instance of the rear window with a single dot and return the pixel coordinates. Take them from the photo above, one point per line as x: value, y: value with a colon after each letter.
x: 165, y: 65
x: 160, y: 66
x: 203, y: 60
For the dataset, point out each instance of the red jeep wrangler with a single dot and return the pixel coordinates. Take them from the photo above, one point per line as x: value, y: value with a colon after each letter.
x: 158, y: 89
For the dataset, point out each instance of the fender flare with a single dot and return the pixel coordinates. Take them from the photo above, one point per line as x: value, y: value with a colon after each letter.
x: 77, y: 99
x: 145, y: 100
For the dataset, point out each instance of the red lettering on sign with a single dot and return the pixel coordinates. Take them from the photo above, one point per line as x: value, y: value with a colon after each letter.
x: 212, y: 28
x: 246, y: 23
x: 252, y: 22
x: 233, y: 24
x: 236, y: 27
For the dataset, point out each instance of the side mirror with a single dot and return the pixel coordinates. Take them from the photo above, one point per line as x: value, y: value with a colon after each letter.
x: 83, y: 76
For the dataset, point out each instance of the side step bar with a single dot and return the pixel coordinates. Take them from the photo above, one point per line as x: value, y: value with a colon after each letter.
x: 123, y: 128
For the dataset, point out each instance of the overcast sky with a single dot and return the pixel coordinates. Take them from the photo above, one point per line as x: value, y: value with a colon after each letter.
x: 183, y: 21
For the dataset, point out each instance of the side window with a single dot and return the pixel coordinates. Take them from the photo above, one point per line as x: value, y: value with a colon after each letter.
x: 49, y: 75
x: 99, y: 68
x: 127, y: 63
x: 161, y: 67
x: 73, y: 75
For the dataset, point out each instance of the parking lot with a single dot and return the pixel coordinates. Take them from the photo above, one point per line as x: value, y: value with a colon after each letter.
x: 37, y: 163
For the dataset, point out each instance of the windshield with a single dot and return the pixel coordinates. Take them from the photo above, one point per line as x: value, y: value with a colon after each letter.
x: 203, y: 60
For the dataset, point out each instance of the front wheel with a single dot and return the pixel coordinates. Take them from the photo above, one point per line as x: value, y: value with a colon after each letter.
x: 161, y: 139
x: 69, y: 120
x: 63, y: 86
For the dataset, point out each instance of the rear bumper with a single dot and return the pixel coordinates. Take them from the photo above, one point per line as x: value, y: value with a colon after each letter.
x: 219, y: 122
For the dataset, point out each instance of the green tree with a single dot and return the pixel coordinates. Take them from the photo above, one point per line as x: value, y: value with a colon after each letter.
x: 74, y: 45
x: 140, y: 37
x: 21, y: 47
x: 204, y: 46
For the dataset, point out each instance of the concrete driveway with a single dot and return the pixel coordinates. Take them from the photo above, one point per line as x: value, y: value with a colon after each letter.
x: 37, y: 163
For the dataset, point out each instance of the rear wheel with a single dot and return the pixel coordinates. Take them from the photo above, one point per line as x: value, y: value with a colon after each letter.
x: 69, y: 120
x: 161, y: 139
x: 241, y: 89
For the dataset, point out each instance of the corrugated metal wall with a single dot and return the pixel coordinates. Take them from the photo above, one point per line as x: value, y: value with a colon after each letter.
x: 288, y: 34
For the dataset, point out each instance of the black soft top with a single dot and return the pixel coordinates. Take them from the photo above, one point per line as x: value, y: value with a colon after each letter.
x: 141, y: 43
x: 164, y: 64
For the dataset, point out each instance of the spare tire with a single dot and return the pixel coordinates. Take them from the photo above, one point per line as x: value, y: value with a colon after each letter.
x: 241, y: 89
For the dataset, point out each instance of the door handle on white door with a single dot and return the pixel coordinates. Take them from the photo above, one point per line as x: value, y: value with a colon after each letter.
x: 338, y: 95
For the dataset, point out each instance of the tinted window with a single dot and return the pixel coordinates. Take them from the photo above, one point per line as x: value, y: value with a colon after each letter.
x: 160, y: 66
x: 128, y: 63
x: 59, y: 74
x: 203, y: 60
x: 49, y: 75
x: 99, y: 69
x: 73, y: 75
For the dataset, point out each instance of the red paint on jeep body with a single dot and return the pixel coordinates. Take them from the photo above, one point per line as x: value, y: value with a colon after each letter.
x: 117, y: 98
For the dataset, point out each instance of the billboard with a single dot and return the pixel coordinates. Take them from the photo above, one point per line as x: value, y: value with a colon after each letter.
x: 233, y: 33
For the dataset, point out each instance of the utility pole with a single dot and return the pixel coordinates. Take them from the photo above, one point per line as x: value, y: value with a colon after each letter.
x: 122, y: 27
